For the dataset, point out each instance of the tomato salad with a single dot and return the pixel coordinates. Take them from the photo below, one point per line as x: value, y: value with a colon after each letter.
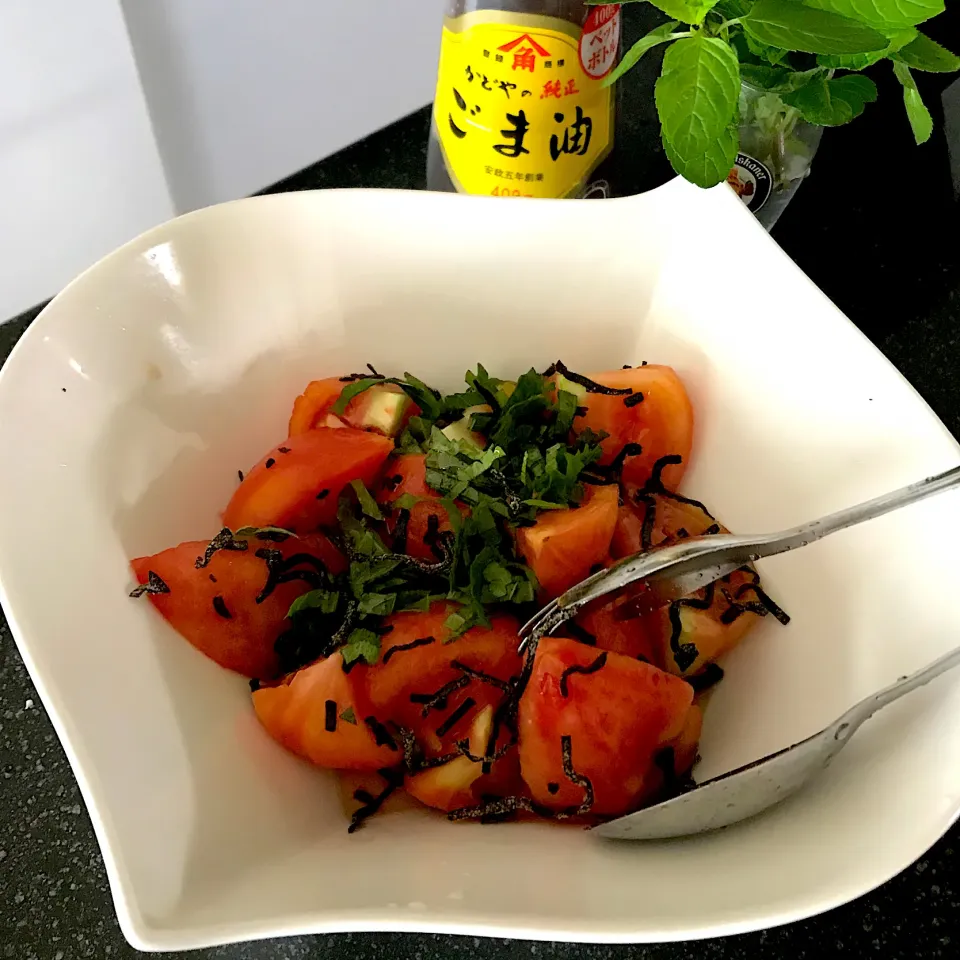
x: 374, y: 567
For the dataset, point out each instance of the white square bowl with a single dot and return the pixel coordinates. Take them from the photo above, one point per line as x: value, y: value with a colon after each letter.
x: 131, y: 402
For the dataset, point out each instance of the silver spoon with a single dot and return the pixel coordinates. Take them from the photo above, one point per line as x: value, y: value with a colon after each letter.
x: 751, y: 789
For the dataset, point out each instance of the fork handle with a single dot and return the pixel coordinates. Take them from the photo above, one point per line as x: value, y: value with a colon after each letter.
x: 698, y: 562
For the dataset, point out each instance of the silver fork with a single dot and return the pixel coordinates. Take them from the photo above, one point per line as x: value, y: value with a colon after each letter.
x: 668, y: 573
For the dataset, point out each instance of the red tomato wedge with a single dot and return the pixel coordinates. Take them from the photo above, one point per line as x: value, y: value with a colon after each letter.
x: 450, y: 786
x: 407, y: 474
x: 413, y: 666
x: 310, y: 409
x: 617, y: 713
x: 609, y: 632
x: 691, y: 633
x: 662, y: 423
x: 563, y: 546
x: 296, y: 486
x: 305, y: 714
x: 216, y: 608
x: 367, y: 411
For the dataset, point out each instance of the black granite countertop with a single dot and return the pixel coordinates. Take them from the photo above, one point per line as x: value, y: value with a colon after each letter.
x: 877, y: 227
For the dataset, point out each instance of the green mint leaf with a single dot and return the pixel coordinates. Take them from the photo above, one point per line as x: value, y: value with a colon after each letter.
x: 733, y: 9
x: 697, y: 98
x: 860, y: 61
x: 348, y: 716
x: 658, y: 35
x: 362, y: 644
x: 425, y: 397
x: 922, y: 53
x: 774, y: 79
x: 353, y: 390
x: 326, y: 601
x: 764, y: 51
x: 830, y: 103
x: 686, y: 11
x: 794, y: 26
x: 712, y: 164
x: 883, y: 14
x: 917, y: 113
x: 377, y: 604
x: 364, y: 573
x: 367, y: 504
x: 362, y: 541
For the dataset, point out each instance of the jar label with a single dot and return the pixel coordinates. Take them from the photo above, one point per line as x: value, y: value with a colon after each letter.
x: 521, y: 110
x: 751, y: 181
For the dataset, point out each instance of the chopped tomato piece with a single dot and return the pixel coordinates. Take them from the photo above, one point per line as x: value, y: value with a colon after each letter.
x: 450, y: 786
x: 416, y: 663
x: 296, y: 486
x: 310, y: 409
x: 616, y: 711
x: 699, y: 629
x: 609, y: 632
x: 407, y: 474
x: 383, y: 409
x: 563, y: 546
x: 662, y: 423
x: 216, y: 607
x: 305, y: 713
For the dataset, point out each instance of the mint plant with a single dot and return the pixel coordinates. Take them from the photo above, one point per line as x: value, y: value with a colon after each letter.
x: 805, y: 56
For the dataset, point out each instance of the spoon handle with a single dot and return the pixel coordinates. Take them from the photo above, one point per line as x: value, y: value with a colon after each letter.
x: 857, y: 715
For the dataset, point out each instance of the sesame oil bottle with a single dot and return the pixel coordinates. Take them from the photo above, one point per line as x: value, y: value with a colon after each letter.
x: 521, y: 109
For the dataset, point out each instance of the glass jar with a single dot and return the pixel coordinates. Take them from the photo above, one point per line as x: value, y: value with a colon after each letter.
x: 777, y: 148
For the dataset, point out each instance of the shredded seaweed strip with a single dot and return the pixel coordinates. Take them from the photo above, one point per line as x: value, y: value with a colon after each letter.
x: 578, y: 668
x: 649, y: 519
x: 655, y: 485
x: 380, y: 733
x: 412, y: 645
x: 432, y: 537
x: 762, y: 596
x: 480, y: 675
x: 591, y: 386
x: 499, y: 808
x: 456, y: 717
x: 371, y: 804
x: 566, y: 752
x: 628, y: 450
x: 709, y: 677
x: 463, y: 748
x: 400, y: 531
x: 323, y: 494
x: 438, y: 700
x: 330, y: 716
x: 684, y: 654
x: 280, y: 570
x: 153, y: 586
x: 373, y: 372
x: 224, y: 540
x: 633, y: 400
x: 220, y: 605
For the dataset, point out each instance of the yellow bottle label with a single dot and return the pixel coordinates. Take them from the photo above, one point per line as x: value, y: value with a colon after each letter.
x: 521, y: 110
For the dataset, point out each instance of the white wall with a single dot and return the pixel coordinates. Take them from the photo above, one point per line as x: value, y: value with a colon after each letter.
x: 79, y: 169
x: 245, y: 92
